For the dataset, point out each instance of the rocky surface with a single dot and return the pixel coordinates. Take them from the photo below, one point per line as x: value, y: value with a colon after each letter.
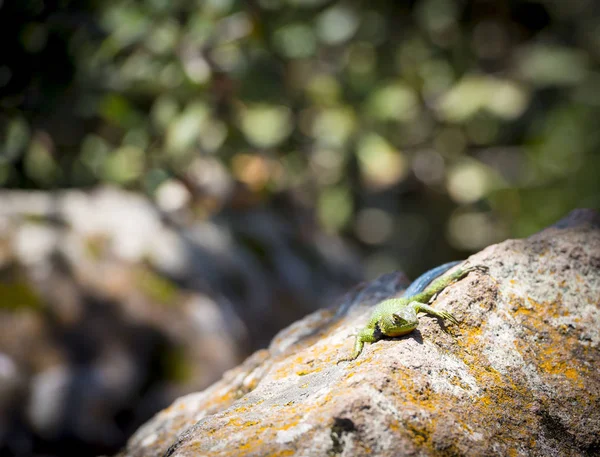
x: 110, y: 308
x: 518, y: 377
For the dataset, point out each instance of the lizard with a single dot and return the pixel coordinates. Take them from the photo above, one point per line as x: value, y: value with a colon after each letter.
x: 398, y: 316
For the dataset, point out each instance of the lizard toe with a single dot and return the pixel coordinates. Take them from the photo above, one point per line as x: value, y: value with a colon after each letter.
x: 482, y: 268
x: 450, y: 317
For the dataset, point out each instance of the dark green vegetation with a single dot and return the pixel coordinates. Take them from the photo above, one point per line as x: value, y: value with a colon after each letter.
x: 440, y: 124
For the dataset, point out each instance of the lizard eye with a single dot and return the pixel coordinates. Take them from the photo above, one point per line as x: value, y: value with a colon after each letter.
x: 398, y: 319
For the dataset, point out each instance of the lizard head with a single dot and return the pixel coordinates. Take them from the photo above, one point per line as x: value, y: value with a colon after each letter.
x: 401, y: 326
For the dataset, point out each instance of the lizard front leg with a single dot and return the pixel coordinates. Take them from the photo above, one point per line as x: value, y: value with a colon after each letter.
x: 366, y: 335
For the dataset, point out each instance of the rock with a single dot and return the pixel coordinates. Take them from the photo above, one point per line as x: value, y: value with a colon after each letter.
x: 109, y: 309
x: 519, y: 376
x: 10, y: 381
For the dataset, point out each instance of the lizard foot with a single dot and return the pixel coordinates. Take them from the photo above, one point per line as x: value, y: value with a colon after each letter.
x: 482, y: 268
x: 447, y: 315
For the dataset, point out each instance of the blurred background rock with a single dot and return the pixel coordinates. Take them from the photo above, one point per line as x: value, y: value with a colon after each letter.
x: 181, y: 179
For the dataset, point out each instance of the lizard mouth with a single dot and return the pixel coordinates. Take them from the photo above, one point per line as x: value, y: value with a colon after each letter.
x: 401, y: 331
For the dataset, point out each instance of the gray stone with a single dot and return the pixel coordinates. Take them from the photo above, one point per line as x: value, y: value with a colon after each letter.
x: 519, y: 376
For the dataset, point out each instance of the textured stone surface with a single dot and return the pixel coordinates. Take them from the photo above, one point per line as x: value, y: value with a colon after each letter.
x: 519, y: 376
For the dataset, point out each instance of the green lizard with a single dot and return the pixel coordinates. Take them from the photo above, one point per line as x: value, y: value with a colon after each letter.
x: 398, y: 316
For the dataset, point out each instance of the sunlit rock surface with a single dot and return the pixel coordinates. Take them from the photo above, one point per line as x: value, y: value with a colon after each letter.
x: 519, y: 376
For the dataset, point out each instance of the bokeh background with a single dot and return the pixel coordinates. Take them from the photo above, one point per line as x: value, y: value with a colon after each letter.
x: 181, y: 179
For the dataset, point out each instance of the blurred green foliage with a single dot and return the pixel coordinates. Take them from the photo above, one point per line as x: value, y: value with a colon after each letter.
x: 420, y: 130
x: 18, y: 296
